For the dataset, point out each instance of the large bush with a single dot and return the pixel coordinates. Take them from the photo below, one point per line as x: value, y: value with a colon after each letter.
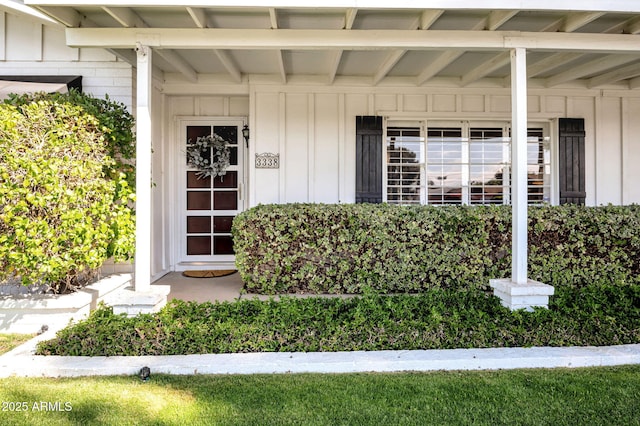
x: 347, y: 248
x: 63, y: 211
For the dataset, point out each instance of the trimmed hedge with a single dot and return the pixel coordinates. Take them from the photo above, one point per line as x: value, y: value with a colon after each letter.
x: 346, y: 248
x: 439, y: 319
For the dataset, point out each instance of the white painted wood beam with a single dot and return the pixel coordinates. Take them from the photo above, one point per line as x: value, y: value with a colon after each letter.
x: 487, y: 67
x: 349, y: 18
x: 131, y: 20
x: 623, y: 73
x: 130, y: 57
x: 575, y: 21
x: 634, y: 83
x: 180, y: 64
x: 125, y: 17
x: 273, y: 17
x: 228, y: 63
x: 333, y: 68
x: 429, y: 17
x: 391, y: 60
x: 437, y: 65
x: 281, y: 68
x: 68, y: 17
x: 199, y: 16
x: 144, y: 88
x: 498, y: 17
x: 592, y: 67
x: 633, y: 26
x: 291, y: 39
x: 551, y: 62
x: 519, y: 165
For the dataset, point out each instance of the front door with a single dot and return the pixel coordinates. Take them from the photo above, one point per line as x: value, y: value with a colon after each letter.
x: 208, y: 205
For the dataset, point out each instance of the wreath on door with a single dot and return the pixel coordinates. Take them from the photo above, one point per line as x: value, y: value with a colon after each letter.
x: 210, y: 155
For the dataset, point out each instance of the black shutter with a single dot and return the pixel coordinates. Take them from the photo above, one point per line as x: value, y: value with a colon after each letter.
x: 572, y: 167
x: 368, y: 159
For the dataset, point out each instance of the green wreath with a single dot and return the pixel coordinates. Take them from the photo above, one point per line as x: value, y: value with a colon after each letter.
x: 214, y: 164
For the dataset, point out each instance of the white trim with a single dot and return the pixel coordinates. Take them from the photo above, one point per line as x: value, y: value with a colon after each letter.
x: 549, y: 5
x: 293, y: 39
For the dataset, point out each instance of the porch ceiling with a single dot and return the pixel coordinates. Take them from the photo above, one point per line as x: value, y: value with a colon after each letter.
x: 460, y: 45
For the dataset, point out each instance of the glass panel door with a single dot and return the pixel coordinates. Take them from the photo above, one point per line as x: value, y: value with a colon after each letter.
x: 211, y: 203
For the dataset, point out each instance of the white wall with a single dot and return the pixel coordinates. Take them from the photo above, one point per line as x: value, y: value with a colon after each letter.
x: 313, y: 130
x: 27, y: 47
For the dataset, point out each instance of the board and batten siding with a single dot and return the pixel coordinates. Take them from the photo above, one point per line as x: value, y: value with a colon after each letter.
x: 29, y: 47
x: 313, y: 129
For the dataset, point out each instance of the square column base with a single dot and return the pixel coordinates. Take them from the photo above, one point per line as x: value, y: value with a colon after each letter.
x: 521, y: 296
x: 130, y: 302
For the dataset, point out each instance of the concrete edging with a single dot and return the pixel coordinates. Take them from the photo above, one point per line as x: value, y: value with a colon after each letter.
x: 20, y: 362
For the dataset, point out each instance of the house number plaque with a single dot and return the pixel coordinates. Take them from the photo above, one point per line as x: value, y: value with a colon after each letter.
x: 267, y: 160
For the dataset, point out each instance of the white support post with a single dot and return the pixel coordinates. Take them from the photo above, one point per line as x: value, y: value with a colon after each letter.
x: 142, y: 281
x: 519, y: 292
x: 519, y: 165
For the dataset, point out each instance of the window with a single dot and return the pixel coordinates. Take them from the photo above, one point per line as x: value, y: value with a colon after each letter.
x: 465, y: 163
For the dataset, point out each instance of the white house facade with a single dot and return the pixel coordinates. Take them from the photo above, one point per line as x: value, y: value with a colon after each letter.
x: 463, y: 102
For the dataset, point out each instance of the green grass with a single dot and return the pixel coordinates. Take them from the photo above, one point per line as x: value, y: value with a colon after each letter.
x: 10, y: 341
x: 438, y: 319
x: 594, y: 396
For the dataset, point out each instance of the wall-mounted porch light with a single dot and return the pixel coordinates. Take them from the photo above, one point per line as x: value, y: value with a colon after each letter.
x: 245, y: 135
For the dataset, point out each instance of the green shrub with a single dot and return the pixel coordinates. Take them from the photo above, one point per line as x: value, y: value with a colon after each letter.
x: 438, y: 319
x: 349, y: 247
x: 61, y: 216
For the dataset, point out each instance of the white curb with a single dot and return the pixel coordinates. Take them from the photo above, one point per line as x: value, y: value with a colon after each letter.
x: 18, y: 363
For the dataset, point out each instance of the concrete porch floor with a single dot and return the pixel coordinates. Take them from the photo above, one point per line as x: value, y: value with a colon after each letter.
x: 202, y: 289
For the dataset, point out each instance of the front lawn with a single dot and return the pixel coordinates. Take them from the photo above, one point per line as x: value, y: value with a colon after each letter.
x: 438, y: 319
x: 594, y: 396
x: 10, y: 341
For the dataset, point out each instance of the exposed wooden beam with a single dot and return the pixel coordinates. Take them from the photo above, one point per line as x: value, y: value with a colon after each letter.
x: 633, y: 27
x: 623, y: 73
x: 290, y: 39
x: 391, y: 60
x: 199, y: 16
x: 180, y: 64
x: 68, y: 17
x: 634, y: 83
x: 335, y: 64
x: 499, y: 17
x: 281, y: 67
x: 592, y: 67
x: 551, y: 62
x: 228, y: 63
x: 349, y: 18
x: 575, y: 21
x: 447, y: 57
x: 437, y: 65
x: 125, y: 17
x: 429, y: 17
x: 273, y: 17
x: 129, y: 19
x: 487, y: 67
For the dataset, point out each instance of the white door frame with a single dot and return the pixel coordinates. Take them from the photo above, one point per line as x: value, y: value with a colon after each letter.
x: 178, y: 211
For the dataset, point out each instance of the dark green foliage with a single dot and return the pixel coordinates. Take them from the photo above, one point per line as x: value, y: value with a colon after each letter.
x: 439, y: 319
x: 319, y: 248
